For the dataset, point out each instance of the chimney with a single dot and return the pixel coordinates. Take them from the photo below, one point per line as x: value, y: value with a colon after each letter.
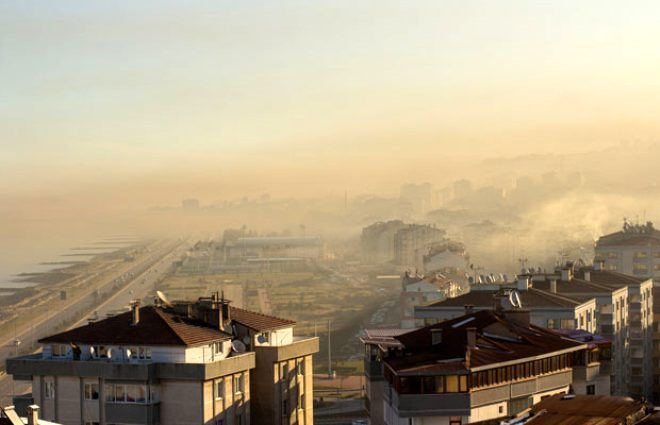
x: 135, y: 308
x: 566, y: 273
x: 520, y: 316
x: 587, y: 275
x: 471, y: 337
x: 226, y: 311
x: 436, y: 336
x: 523, y: 283
x: 33, y: 414
x: 553, y: 286
x: 469, y: 308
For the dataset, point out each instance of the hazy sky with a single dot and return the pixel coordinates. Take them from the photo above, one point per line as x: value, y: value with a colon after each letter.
x: 281, y: 91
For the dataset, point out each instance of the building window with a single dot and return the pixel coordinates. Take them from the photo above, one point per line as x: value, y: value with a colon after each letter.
x: 239, y: 384
x: 591, y: 389
x: 49, y: 389
x: 145, y: 353
x: 454, y: 420
x: 219, y: 389
x: 285, y: 407
x: 217, y: 347
x: 100, y: 352
x: 552, y: 324
x: 141, y: 353
x: 300, y: 366
x: 109, y: 392
x: 567, y: 324
x: 123, y: 393
x: 59, y: 350
x: 284, y: 376
x: 91, y: 391
x: 640, y: 268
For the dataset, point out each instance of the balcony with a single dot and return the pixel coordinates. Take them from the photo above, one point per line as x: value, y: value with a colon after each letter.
x: 586, y: 373
x: 301, y: 346
x: 132, y: 413
x: 412, y: 405
x: 556, y: 380
x: 460, y: 404
x: 490, y: 395
x: 23, y: 368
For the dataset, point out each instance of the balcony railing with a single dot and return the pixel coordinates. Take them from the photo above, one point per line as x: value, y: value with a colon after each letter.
x: 586, y: 373
x: 409, y: 405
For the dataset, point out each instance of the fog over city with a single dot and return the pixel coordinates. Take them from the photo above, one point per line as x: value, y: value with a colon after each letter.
x: 310, y: 160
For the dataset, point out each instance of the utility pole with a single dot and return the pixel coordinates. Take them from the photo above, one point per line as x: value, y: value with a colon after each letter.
x: 329, y: 352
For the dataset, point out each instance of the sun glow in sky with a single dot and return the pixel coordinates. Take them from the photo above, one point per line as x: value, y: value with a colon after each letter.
x: 91, y: 91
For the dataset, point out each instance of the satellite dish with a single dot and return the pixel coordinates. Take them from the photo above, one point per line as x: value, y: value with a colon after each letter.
x: 163, y: 298
x: 246, y: 340
x: 237, y: 346
x: 262, y: 339
x: 514, y: 299
x: 471, y: 280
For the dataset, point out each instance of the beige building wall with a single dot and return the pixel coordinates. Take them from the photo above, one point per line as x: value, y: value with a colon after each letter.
x: 181, y: 402
x: 68, y: 397
x: 231, y: 404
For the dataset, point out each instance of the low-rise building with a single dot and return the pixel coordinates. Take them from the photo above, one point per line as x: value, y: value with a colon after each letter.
x: 483, y: 366
x: 635, y: 250
x: 180, y: 363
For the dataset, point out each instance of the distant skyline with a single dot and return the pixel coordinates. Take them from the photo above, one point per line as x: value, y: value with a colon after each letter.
x: 99, y: 92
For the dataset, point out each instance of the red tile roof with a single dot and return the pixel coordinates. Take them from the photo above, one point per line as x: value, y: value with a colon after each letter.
x: 586, y: 409
x: 257, y: 321
x: 499, y: 339
x: 532, y: 298
x: 155, y: 327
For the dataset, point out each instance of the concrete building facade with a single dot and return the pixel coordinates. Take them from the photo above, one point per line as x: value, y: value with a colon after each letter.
x: 484, y: 366
x: 623, y: 314
x: 183, y: 363
x: 635, y: 250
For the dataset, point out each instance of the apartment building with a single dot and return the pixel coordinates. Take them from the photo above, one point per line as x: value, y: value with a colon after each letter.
x: 377, y: 241
x: 547, y: 309
x: 623, y: 314
x: 173, y: 363
x: 483, y: 366
x: 656, y: 346
x: 635, y: 250
x: 422, y: 290
x: 413, y: 242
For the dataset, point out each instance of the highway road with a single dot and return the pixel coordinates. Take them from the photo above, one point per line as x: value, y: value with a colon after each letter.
x: 101, y: 299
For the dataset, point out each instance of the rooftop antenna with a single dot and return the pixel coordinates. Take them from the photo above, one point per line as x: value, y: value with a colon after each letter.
x: 523, y: 262
x: 163, y: 299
